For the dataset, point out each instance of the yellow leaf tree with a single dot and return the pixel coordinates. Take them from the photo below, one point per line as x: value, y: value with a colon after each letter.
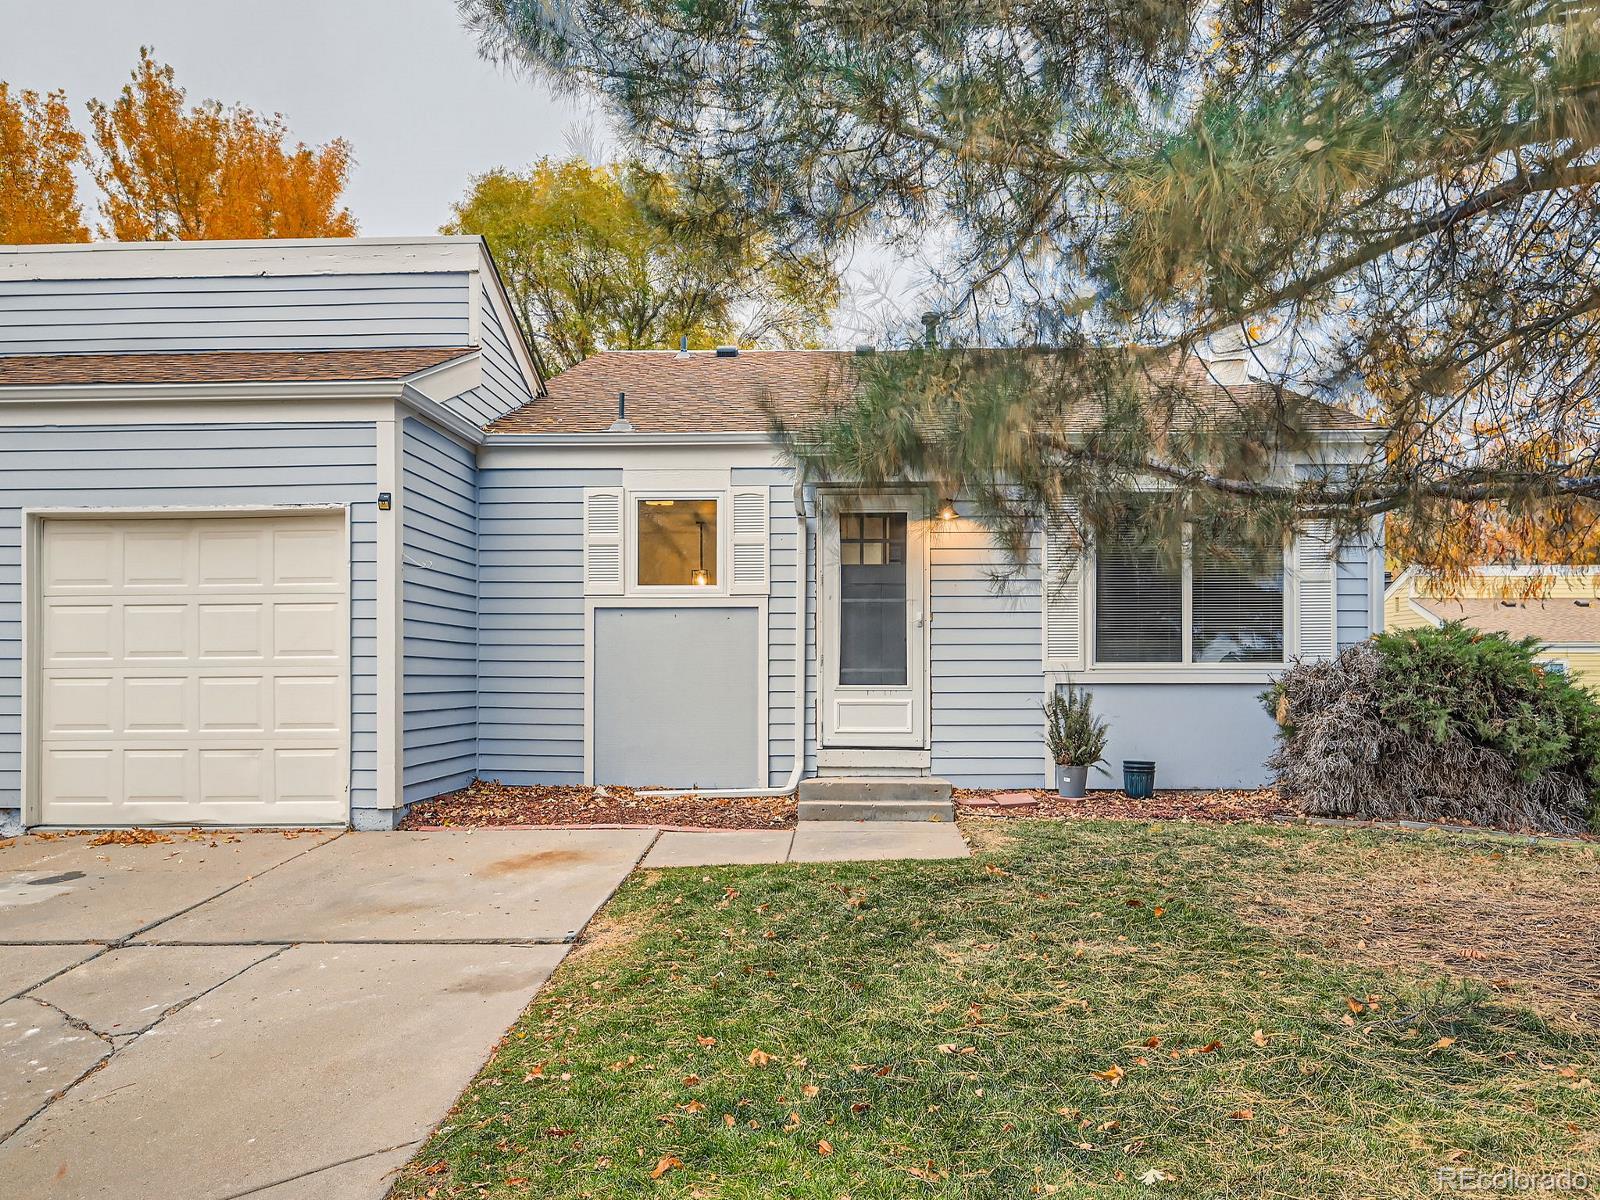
x: 38, y: 146
x: 170, y: 172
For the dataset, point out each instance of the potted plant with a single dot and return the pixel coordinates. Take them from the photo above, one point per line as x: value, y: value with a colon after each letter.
x: 1076, y: 737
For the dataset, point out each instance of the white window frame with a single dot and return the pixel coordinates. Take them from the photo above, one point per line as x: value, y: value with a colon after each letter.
x: 632, y: 499
x: 1187, y: 664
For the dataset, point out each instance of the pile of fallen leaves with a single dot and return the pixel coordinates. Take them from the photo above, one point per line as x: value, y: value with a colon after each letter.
x: 489, y: 803
x: 1220, y: 804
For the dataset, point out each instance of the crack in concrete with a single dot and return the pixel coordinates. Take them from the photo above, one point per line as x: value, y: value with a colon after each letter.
x: 343, y: 1162
x: 145, y: 928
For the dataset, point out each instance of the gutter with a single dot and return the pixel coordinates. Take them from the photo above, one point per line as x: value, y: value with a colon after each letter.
x: 802, y: 578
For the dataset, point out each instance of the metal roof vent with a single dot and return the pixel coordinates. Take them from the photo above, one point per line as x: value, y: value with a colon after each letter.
x: 727, y: 352
x: 683, y: 354
x: 621, y: 424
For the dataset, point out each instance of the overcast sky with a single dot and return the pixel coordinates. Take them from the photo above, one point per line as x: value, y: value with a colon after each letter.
x: 400, y: 79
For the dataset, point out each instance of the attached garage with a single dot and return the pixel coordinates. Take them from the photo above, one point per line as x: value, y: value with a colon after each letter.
x: 190, y: 669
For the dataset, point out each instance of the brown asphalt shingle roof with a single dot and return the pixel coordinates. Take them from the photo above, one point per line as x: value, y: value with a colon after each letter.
x: 1557, y: 622
x: 706, y: 394
x: 224, y: 366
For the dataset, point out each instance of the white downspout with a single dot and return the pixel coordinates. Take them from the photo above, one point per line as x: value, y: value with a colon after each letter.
x: 802, y: 581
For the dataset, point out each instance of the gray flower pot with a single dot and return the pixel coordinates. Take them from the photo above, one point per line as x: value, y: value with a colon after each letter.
x: 1072, y: 782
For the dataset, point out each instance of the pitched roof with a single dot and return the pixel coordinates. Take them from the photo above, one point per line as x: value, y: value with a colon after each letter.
x: 704, y: 393
x: 225, y: 366
x: 1562, y: 622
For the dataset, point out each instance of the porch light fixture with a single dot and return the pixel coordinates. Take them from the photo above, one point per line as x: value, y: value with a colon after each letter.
x: 947, y: 510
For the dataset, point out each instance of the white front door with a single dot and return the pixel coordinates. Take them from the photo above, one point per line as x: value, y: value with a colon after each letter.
x: 874, y: 623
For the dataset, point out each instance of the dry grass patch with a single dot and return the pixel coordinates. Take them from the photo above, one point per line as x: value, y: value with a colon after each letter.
x: 1523, y: 920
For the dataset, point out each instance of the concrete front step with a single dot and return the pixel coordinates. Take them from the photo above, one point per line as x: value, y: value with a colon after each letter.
x: 876, y: 798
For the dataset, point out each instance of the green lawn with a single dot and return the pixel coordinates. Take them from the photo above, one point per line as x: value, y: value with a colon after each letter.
x: 1107, y: 1009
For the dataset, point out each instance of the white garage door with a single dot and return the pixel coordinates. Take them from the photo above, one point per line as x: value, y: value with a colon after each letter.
x: 193, y: 671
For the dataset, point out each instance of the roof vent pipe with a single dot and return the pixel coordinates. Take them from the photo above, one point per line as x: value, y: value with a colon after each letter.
x: 930, y: 329
x: 683, y: 354
x: 621, y: 424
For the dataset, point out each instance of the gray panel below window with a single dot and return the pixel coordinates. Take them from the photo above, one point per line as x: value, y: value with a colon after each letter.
x: 676, y: 697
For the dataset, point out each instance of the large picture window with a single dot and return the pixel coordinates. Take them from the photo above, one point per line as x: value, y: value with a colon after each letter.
x: 1211, y: 599
x: 677, y: 543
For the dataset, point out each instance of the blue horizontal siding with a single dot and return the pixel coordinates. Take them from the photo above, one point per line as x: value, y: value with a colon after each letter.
x: 193, y: 465
x: 440, y: 615
x: 986, y: 667
x: 530, y: 655
x: 308, y: 312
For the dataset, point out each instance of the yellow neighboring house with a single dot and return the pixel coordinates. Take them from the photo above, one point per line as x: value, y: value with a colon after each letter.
x: 1566, y: 619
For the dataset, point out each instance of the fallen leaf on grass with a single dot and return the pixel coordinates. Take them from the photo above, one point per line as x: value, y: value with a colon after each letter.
x: 437, y: 1168
x: 694, y: 1106
x: 706, y: 1041
x: 810, y: 1090
x: 1259, y: 1038
x: 1112, y: 1074
x: 666, y: 1163
x: 1154, y: 1176
x: 759, y: 1058
x: 1354, y: 1005
x: 1444, y: 1043
x: 1242, y: 1114
x: 728, y: 1120
x: 824, y: 1147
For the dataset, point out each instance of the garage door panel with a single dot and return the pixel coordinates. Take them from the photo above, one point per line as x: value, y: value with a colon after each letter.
x: 233, y: 704
x: 306, y: 704
x: 82, y: 777
x: 232, y: 631
x: 232, y: 558
x: 79, y: 633
x: 314, y: 558
x: 158, y: 776
x: 85, y: 559
x: 306, y: 630
x: 80, y: 704
x: 157, y: 705
x: 307, y: 776
x: 234, y: 777
x: 157, y: 557
x: 156, y: 631
x: 194, y: 670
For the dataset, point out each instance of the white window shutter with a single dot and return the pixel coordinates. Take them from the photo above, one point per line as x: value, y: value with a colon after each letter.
x: 750, y: 574
x: 1316, y: 627
x: 602, y: 541
x: 1062, y: 586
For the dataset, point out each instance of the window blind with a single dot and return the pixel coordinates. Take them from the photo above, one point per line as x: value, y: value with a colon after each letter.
x: 1138, y: 610
x: 1237, y: 609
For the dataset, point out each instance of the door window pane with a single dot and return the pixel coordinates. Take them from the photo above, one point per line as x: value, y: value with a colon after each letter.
x: 872, y: 599
x: 1138, y: 606
x: 677, y: 543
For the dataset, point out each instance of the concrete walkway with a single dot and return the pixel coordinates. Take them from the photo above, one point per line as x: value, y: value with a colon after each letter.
x: 810, y: 841
x: 223, y: 1015
x: 258, y: 1015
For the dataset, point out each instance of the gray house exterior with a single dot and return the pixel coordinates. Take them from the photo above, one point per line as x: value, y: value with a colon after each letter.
x: 298, y: 533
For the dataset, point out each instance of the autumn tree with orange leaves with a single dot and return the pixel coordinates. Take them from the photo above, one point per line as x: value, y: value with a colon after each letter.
x: 38, y: 147
x: 172, y: 172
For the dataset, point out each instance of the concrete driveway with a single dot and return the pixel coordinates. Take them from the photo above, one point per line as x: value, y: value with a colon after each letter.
x: 264, y: 1015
